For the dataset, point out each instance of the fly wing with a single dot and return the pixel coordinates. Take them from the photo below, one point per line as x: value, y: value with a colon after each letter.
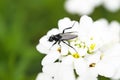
x: 68, y: 36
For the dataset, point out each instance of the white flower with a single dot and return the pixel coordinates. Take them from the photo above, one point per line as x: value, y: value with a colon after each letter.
x: 111, y: 5
x: 81, y: 7
x: 86, y: 7
x: 96, y: 51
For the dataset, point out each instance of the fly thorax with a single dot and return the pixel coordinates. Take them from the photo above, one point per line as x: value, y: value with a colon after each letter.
x: 57, y: 37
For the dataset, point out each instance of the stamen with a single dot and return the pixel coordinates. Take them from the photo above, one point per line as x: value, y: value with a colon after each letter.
x: 92, y: 65
x: 92, y: 46
x: 91, y: 38
x: 59, y: 50
x: 76, y: 55
x: 101, y: 56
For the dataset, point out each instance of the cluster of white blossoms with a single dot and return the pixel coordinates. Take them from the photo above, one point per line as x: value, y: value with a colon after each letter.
x: 94, y: 50
x: 82, y: 7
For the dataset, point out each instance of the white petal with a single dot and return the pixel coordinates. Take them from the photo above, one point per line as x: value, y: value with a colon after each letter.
x: 68, y: 60
x: 87, y: 78
x: 65, y: 72
x: 85, y: 19
x: 95, y: 58
x: 44, y: 45
x: 115, y: 31
x: 65, y: 23
x: 105, y: 69
x: 82, y: 52
x: 60, y: 71
x: 80, y: 66
x: 64, y: 49
x: 53, y: 31
x: 43, y: 76
x: 84, y: 28
x: 50, y: 58
x: 51, y: 69
x: 113, y: 51
x: 116, y: 76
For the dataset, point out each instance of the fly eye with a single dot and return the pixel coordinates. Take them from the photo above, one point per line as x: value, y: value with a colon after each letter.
x: 50, y: 38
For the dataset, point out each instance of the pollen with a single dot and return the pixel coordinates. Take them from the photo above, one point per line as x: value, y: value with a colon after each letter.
x: 59, y: 50
x: 76, y: 55
x: 91, y: 38
x: 92, y: 46
x: 92, y: 65
x: 101, y: 56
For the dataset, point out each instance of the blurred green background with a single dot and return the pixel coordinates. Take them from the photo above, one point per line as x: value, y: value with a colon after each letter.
x: 22, y: 23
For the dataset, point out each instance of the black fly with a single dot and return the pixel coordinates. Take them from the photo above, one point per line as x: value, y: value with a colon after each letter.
x: 62, y: 37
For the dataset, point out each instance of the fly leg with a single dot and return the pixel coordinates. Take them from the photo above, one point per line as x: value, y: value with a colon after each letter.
x: 68, y: 28
x: 59, y: 43
x: 53, y: 44
x: 69, y: 46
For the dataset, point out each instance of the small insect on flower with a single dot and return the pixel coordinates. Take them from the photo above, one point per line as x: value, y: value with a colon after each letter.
x: 62, y: 37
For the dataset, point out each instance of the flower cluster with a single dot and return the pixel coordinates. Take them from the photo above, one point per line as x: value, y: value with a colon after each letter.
x: 83, y: 50
x: 82, y: 7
